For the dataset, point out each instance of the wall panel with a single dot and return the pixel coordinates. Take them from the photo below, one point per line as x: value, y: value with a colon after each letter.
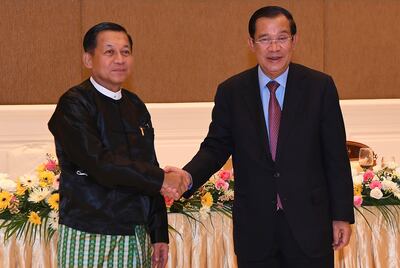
x: 40, y: 49
x: 183, y: 49
x: 362, y: 47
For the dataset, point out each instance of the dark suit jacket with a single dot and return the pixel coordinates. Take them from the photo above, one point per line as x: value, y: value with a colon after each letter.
x: 311, y: 172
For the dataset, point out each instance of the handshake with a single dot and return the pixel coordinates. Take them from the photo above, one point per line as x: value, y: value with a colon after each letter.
x: 176, y: 182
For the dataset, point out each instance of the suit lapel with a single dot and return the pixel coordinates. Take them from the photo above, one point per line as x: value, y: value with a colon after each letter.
x: 292, y: 104
x: 254, y: 105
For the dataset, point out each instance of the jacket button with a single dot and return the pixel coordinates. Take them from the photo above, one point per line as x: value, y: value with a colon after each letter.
x: 277, y: 175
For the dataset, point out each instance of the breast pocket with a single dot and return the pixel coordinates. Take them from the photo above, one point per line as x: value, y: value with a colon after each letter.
x: 141, y: 141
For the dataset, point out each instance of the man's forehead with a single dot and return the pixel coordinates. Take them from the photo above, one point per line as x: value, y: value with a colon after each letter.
x: 275, y: 25
x: 110, y: 38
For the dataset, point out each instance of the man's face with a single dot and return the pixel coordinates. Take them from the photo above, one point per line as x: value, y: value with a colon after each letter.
x: 111, y: 60
x: 274, y: 57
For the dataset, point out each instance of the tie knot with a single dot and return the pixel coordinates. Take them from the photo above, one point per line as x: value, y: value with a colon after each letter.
x: 272, y: 86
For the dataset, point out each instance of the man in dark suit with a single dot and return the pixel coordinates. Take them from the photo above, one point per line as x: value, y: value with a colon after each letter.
x: 283, y: 126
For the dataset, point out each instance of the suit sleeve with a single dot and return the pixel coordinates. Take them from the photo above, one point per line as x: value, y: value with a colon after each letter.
x: 75, y: 130
x: 336, y: 161
x: 217, y: 146
x: 158, y: 222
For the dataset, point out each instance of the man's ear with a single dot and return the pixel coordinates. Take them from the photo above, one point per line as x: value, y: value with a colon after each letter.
x: 250, y: 43
x: 295, y: 40
x: 87, y: 60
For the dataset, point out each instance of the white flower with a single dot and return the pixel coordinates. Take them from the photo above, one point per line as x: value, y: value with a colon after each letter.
x: 229, y: 195
x: 390, y: 186
x: 376, y: 193
x: 29, y: 181
x: 38, y: 194
x: 3, y: 176
x: 397, y: 194
x: 7, y: 184
x: 204, y: 212
x: 358, y: 179
x: 53, y: 220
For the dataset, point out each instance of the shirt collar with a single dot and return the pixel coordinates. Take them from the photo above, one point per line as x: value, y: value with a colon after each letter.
x: 264, y: 79
x: 106, y: 92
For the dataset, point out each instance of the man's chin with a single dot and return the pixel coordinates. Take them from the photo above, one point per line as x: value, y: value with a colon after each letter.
x: 119, y: 79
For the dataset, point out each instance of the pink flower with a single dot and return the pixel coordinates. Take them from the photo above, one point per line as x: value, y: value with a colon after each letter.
x: 368, y: 175
x: 374, y: 184
x: 51, y: 165
x: 56, y: 182
x: 358, y: 201
x: 225, y: 175
x: 221, y: 184
x: 168, y: 201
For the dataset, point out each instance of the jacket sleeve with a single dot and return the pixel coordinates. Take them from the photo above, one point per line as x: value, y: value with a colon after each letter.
x: 74, y: 128
x: 158, y: 222
x: 336, y: 160
x: 216, y: 147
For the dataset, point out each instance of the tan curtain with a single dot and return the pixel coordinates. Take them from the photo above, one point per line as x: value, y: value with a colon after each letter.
x: 207, y: 242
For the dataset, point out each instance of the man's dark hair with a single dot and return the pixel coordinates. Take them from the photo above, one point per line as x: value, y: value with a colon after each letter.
x: 271, y: 12
x: 90, y: 39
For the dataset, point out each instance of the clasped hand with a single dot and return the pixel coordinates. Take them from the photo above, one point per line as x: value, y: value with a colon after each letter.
x: 176, y: 182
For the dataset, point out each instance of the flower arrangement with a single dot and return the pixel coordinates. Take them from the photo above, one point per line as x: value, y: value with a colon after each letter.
x: 215, y: 195
x: 377, y: 187
x: 29, y: 205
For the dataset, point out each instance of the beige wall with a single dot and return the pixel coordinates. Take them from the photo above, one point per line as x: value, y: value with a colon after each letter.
x: 184, y: 48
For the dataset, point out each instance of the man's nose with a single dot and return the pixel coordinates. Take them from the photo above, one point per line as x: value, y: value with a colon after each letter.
x: 119, y: 58
x: 274, y: 46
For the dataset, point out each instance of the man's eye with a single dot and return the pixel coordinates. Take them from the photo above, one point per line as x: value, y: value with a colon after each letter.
x: 265, y: 40
x: 126, y: 53
x: 283, y: 38
x: 109, y: 52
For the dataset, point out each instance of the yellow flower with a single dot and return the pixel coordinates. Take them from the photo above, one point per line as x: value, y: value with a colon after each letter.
x: 41, y: 168
x: 5, y: 199
x: 46, y: 178
x: 34, y: 218
x: 20, y: 189
x: 357, y: 189
x: 54, y: 200
x: 207, y: 200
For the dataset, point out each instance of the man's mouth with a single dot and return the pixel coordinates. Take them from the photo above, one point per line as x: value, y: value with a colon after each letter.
x: 274, y: 58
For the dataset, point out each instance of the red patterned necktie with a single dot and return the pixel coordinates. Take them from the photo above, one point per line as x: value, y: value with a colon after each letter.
x: 274, y: 119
